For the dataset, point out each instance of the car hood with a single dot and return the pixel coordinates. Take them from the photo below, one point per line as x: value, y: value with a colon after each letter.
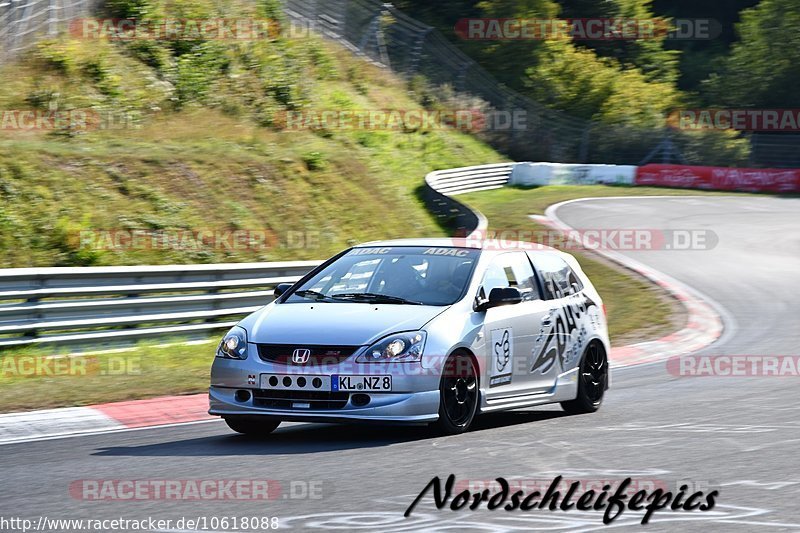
x: 344, y: 324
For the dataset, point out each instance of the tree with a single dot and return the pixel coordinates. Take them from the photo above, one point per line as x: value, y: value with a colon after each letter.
x: 761, y: 70
x: 648, y: 54
x: 573, y: 79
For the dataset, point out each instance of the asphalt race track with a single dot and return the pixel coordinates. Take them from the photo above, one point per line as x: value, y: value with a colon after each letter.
x: 740, y: 435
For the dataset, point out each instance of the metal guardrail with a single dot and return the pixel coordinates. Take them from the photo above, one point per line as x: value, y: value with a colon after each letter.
x: 470, y: 179
x: 63, y: 305
x: 442, y: 185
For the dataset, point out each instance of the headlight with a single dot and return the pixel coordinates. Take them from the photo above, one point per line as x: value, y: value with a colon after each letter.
x: 403, y: 347
x: 233, y: 344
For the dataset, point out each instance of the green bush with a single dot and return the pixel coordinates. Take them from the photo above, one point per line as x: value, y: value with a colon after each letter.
x: 714, y: 147
x: 198, y: 70
x: 129, y: 9
x: 315, y: 161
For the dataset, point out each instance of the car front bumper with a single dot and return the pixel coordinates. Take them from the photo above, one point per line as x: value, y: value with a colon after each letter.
x: 414, y: 397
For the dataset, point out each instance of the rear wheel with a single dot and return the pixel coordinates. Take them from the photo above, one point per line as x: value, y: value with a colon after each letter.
x: 592, y: 380
x: 458, y: 395
x: 252, y: 425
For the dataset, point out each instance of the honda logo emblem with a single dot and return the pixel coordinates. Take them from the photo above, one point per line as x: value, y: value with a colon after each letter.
x: 301, y: 356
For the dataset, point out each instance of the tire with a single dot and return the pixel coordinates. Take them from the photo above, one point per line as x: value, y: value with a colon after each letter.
x: 592, y: 381
x: 252, y: 425
x: 458, y: 395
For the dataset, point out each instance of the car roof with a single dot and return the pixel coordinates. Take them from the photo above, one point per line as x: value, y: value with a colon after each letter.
x: 486, y: 245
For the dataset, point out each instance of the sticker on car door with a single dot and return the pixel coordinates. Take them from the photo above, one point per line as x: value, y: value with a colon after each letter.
x: 501, y: 349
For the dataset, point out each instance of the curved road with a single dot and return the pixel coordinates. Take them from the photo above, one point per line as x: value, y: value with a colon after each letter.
x: 739, y: 435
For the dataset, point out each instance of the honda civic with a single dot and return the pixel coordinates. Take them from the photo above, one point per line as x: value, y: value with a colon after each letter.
x: 422, y: 331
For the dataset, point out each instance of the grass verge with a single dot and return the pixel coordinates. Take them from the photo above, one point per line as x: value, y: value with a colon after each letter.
x: 40, y: 378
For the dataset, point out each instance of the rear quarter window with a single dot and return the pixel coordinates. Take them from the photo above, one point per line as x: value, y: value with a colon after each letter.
x: 558, y: 278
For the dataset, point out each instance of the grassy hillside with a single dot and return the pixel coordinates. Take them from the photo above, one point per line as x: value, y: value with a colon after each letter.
x: 201, y: 147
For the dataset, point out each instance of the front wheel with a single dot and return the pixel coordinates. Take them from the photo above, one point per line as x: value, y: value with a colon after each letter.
x: 252, y: 425
x: 458, y: 395
x: 592, y: 381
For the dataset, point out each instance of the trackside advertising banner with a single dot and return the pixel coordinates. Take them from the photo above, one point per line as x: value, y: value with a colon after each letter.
x: 720, y: 178
x: 537, y: 174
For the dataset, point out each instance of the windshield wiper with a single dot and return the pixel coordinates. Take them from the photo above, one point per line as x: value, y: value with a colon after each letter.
x: 314, y: 295
x: 374, y: 298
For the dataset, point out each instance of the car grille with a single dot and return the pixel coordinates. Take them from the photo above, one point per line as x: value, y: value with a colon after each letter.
x: 283, y: 399
x: 320, y: 355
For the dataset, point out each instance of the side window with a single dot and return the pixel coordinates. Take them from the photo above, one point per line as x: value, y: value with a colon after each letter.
x: 494, y: 277
x: 557, y: 277
x: 510, y: 270
x: 574, y: 281
x: 526, y: 283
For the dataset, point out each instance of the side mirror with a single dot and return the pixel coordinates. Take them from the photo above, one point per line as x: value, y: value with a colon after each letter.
x: 280, y: 288
x: 501, y: 296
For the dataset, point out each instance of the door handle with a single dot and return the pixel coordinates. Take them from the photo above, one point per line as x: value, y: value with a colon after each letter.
x: 547, y: 320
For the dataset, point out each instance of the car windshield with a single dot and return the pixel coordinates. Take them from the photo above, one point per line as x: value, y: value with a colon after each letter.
x: 401, y: 275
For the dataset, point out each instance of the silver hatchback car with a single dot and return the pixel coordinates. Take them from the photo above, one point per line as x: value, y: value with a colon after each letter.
x: 417, y: 331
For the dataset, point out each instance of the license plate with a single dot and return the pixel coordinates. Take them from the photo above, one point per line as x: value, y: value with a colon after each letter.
x: 361, y: 383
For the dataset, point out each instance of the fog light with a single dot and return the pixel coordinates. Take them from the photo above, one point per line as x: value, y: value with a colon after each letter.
x: 360, y: 400
x: 242, y: 395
